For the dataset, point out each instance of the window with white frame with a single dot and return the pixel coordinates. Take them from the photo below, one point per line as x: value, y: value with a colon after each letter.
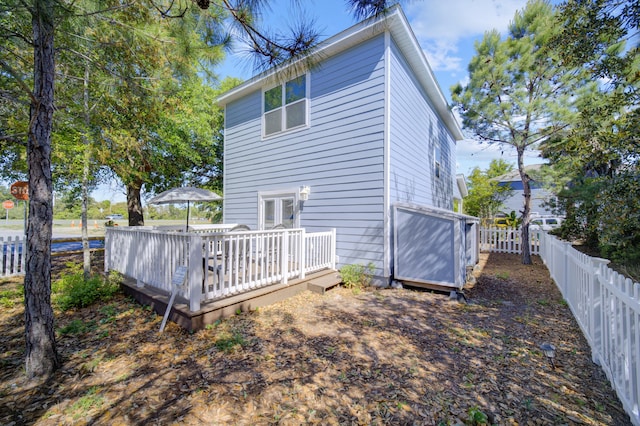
x: 285, y: 106
x: 437, y: 156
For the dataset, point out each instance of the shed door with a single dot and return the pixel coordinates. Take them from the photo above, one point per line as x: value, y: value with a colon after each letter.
x: 278, y: 210
x: 425, y: 250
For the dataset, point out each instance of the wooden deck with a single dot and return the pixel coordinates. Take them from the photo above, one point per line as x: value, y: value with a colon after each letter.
x: 215, y: 310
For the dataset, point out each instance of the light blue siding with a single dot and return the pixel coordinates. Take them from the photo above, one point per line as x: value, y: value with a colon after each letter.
x: 415, y: 130
x: 340, y: 155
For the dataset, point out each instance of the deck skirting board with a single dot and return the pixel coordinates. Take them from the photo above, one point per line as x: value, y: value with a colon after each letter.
x: 212, y: 311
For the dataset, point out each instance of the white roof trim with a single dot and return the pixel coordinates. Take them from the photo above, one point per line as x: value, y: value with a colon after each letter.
x: 462, y: 185
x: 394, y: 21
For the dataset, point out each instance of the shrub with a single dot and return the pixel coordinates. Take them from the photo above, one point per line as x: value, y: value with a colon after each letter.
x: 357, y: 277
x: 477, y: 417
x: 73, y: 291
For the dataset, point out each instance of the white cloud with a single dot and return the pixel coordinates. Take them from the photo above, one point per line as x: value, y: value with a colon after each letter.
x: 456, y: 19
x: 441, y: 55
x: 440, y: 25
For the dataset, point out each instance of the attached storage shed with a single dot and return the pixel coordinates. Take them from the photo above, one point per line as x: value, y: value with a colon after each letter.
x: 433, y: 247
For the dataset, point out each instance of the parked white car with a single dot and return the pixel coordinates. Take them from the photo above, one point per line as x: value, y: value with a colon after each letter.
x: 545, y: 223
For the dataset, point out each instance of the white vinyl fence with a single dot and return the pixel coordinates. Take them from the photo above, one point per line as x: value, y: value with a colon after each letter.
x: 606, y: 305
x: 221, y: 263
x: 13, y: 254
x: 507, y: 240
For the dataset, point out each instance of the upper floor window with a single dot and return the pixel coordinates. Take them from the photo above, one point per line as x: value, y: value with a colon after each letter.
x: 437, y: 156
x: 285, y: 106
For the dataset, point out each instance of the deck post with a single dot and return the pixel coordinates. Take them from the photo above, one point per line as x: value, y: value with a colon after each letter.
x: 333, y: 248
x: 195, y: 272
x: 284, y: 259
x: 302, y: 253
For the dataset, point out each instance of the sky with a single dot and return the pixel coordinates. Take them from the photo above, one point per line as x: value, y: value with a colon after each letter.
x: 445, y: 29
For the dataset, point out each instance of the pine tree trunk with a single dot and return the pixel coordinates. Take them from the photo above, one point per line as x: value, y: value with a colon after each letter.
x: 134, y: 204
x: 41, y: 357
x: 86, y: 253
x: 525, y: 243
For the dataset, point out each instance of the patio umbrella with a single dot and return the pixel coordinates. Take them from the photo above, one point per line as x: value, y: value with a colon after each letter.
x: 185, y: 194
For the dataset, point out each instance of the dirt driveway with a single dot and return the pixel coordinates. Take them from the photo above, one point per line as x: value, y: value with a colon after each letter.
x: 379, y: 357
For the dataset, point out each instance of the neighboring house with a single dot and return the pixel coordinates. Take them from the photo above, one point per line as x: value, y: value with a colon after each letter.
x: 515, y: 202
x: 339, y: 145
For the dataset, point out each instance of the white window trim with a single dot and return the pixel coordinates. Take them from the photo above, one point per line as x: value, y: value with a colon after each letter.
x: 306, y: 99
x: 437, y: 164
x: 280, y: 193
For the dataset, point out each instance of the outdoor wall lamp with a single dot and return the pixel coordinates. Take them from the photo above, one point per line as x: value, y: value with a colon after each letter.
x: 550, y: 352
x: 304, y: 193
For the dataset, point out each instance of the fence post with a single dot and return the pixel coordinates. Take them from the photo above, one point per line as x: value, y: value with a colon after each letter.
x: 565, y: 268
x: 107, y: 249
x: 595, y: 302
x: 195, y: 271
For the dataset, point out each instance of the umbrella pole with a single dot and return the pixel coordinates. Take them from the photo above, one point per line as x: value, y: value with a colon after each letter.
x: 186, y: 229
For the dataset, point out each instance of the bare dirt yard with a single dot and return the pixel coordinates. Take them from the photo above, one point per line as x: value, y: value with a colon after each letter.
x: 396, y: 357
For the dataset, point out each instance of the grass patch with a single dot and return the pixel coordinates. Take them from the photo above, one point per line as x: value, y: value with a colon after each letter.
x: 9, y: 297
x: 77, y: 326
x: 228, y: 342
x: 502, y: 276
x: 90, y: 401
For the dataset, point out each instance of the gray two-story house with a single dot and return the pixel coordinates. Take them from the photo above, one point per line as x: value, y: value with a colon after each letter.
x: 361, y: 141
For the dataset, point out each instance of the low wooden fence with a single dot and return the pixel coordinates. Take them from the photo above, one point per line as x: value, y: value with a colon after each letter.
x: 606, y: 305
x: 13, y: 255
x: 220, y: 264
x: 507, y: 240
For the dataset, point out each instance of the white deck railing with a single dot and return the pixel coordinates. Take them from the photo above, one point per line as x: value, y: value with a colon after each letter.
x: 12, y: 255
x: 507, y: 240
x: 221, y: 263
x: 606, y: 305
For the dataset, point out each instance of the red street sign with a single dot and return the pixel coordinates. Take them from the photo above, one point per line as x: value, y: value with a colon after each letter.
x: 8, y: 204
x: 20, y: 190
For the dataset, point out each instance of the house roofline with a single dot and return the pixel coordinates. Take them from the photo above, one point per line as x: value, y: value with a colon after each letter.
x: 394, y: 21
x: 462, y: 185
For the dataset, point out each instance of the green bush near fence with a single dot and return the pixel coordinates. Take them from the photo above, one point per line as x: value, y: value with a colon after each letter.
x: 73, y: 291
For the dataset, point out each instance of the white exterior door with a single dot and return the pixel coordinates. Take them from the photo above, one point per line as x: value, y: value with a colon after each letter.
x: 278, y: 209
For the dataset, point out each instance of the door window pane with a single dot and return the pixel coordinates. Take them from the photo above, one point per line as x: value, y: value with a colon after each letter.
x: 269, y: 214
x: 288, y: 218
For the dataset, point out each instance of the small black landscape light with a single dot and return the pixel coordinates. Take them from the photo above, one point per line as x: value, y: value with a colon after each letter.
x: 550, y: 352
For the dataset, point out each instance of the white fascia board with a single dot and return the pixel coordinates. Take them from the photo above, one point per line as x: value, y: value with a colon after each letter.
x: 462, y: 185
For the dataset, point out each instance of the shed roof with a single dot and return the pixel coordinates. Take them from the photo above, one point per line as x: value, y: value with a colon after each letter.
x: 394, y: 21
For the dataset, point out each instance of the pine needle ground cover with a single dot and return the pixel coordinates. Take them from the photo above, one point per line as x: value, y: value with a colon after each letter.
x: 375, y: 357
